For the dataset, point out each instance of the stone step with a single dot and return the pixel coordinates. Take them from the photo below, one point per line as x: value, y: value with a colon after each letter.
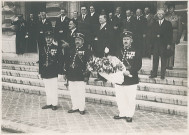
x: 169, y: 73
x: 102, y: 99
x: 161, y: 88
x: 24, y: 74
x: 141, y: 95
x: 29, y: 81
x: 167, y: 81
x: 20, y: 67
x: 26, y: 62
x: 145, y: 79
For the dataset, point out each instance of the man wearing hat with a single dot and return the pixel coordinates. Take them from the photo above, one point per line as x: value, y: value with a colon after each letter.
x: 162, y: 35
x: 126, y: 92
x: 20, y: 33
x: 50, y: 67
x: 76, y: 73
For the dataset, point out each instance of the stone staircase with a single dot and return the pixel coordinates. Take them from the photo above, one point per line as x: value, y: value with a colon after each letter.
x: 20, y: 73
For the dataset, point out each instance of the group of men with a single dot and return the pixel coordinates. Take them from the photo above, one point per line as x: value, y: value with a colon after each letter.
x: 66, y: 50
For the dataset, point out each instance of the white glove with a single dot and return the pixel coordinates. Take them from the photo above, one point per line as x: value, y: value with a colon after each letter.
x: 106, y: 50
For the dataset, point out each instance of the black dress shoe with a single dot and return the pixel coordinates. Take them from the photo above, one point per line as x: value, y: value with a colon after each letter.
x: 47, y: 106
x: 82, y: 112
x: 129, y: 119
x: 54, y: 107
x: 152, y: 76
x: 72, y: 111
x: 118, y: 117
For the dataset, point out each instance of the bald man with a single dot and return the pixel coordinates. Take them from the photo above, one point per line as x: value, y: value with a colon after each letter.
x: 162, y: 33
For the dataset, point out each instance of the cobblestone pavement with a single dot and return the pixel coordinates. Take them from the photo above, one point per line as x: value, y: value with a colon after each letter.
x: 26, y: 109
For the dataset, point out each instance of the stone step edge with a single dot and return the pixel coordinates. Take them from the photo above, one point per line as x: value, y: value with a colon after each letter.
x: 19, y: 127
x: 159, y: 99
x: 178, y: 73
x: 140, y: 105
x: 98, y: 89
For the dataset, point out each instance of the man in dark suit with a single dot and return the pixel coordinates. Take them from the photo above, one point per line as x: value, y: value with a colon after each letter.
x: 43, y: 26
x: 117, y: 29
x: 20, y: 33
x: 140, y: 30
x: 103, y: 38
x: 61, y: 28
x: 84, y: 26
x: 75, y: 16
x: 31, y: 34
x: 162, y: 38
x: 147, y: 39
x: 128, y: 22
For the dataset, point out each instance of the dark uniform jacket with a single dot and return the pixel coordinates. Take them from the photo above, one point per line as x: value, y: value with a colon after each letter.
x: 77, y: 66
x: 61, y: 29
x: 50, y: 66
x: 133, y: 62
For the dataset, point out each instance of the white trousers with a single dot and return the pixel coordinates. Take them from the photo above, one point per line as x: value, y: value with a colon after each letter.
x: 77, y: 92
x: 51, y: 88
x: 126, y: 99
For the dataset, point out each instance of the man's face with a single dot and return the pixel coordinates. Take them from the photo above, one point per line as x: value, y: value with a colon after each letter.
x: 92, y: 9
x: 75, y: 14
x: 102, y: 20
x: 31, y: 16
x: 53, y: 52
x: 43, y: 16
x: 71, y: 25
x: 160, y: 14
x: 110, y: 15
x: 62, y: 12
x: 118, y: 11
x: 127, y: 41
x: 138, y: 12
x: 171, y: 9
x: 128, y: 13
x: 79, y: 42
x: 48, y: 39
x: 146, y: 11
x: 83, y: 10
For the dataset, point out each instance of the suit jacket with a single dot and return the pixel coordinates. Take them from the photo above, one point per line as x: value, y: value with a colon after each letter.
x: 140, y: 26
x: 94, y: 23
x: 118, y: 22
x: 61, y: 29
x: 162, y: 35
x: 129, y: 25
x: 31, y: 28
x: 104, y: 39
x: 42, y: 28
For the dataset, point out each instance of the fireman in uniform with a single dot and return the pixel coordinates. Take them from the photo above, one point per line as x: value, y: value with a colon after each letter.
x: 126, y: 92
x: 50, y: 68
x: 76, y: 74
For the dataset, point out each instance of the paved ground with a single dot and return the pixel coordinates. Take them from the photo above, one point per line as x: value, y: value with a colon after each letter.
x: 26, y: 109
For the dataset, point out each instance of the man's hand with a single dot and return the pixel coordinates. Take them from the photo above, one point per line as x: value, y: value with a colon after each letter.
x: 126, y: 73
x: 115, y: 27
x: 106, y: 50
x: 144, y: 35
x: 60, y: 77
x: 168, y: 47
x: 39, y: 76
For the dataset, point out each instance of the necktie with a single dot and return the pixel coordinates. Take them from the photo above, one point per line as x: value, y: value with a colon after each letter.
x: 160, y: 23
x: 83, y: 17
x: 138, y: 17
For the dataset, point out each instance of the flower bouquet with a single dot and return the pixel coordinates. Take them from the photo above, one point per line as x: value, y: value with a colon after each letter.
x: 110, y: 68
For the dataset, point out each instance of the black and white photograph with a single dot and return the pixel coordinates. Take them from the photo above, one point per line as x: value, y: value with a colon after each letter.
x: 94, y: 67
